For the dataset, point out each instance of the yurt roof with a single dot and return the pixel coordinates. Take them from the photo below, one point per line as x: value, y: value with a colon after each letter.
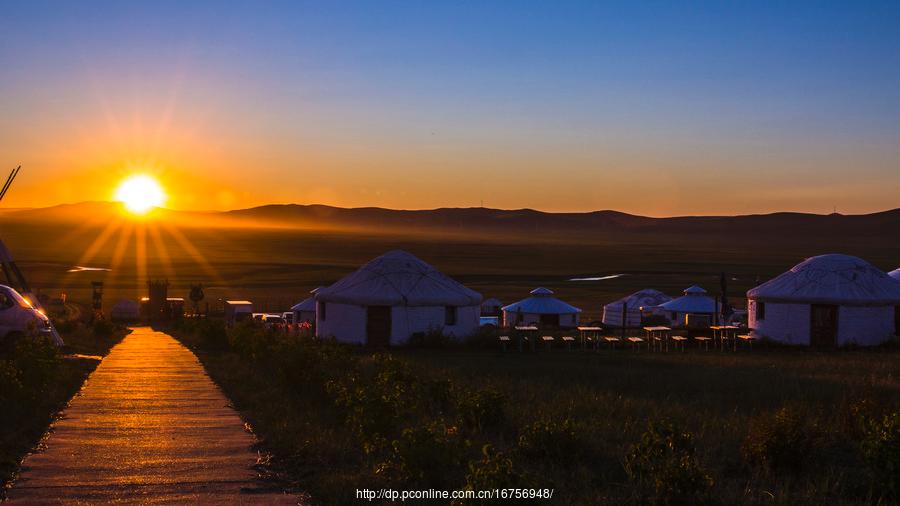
x: 831, y: 279
x: 308, y: 304
x: 895, y: 274
x: 398, y: 278
x: 647, y: 297
x: 694, y: 300
x: 541, y: 302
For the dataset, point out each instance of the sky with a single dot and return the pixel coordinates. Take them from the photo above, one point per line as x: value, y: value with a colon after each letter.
x: 653, y: 108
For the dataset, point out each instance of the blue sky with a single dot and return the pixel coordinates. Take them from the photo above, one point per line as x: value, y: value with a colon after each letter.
x: 659, y: 108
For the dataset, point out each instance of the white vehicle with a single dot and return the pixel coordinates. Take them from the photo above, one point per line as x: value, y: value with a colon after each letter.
x: 19, y: 318
x: 272, y: 320
x: 237, y: 310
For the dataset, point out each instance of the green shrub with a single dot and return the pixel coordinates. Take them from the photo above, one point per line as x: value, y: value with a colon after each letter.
x: 782, y: 441
x: 494, y: 470
x: 664, y: 467
x: 426, y: 456
x: 555, y: 441
x: 481, y: 409
x: 880, y: 449
x: 37, y: 361
x: 104, y: 329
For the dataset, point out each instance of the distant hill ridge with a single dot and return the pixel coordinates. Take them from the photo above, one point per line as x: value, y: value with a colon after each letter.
x: 494, y: 221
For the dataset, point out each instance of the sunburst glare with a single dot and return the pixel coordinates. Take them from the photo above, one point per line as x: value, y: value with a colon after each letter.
x: 140, y: 193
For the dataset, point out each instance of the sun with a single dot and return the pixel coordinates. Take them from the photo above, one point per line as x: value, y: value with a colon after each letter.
x: 140, y: 193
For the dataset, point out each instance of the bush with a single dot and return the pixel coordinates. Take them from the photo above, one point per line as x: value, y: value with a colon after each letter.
x: 555, y: 441
x: 782, y: 441
x: 432, y: 338
x: 495, y: 470
x: 37, y: 361
x: 880, y: 449
x: 426, y: 456
x: 480, y: 410
x: 104, y: 329
x: 664, y: 467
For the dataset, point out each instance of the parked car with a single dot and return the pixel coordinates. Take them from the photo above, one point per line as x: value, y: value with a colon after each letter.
x: 19, y: 318
x: 271, y: 320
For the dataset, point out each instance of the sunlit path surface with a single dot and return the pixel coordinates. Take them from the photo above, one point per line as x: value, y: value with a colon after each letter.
x: 148, y: 427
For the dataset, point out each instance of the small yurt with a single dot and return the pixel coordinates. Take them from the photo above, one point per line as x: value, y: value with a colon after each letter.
x: 305, y: 311
x: 543, y: 309
x: 826, y: 301
x: 693, y: 309
x: 491, y: 307
x: 393, y: 297
x: 636, y: 306
x: 125, y: 310
x: 895, y: 274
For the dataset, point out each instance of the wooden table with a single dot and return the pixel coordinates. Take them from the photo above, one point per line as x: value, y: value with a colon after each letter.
x: 723, y: 333
x: 590, y: 333
x: 660, y: 334
x: 527, y: 329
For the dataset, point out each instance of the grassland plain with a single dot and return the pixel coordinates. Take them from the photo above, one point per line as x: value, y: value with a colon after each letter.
x: 276, y: 267
x: 768, y: 426
x: 37, y: 381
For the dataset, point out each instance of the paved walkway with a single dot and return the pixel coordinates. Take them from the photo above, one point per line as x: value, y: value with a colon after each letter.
x: 148, y: 427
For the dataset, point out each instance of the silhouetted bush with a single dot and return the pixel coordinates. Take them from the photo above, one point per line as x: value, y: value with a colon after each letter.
x: 880, y: 447
x: 557, y: 441
x: 481, y: 410
x: 495, y: 470
x: 664, y: 467
x: 782, y: 441
x: 425, y: 456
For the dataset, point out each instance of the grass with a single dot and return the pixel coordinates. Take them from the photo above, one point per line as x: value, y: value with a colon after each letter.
x: 37, y: 381
x: 336, y: 419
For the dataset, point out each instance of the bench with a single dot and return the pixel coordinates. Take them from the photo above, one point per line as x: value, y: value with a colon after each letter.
x: 679, y: 341
x: 747, y: 338
x: 703, y: 340
x: 635, y: 342
x: 611, y: 340
x: 568, y: 340
x: 548, y: 340
x: 504, y: 340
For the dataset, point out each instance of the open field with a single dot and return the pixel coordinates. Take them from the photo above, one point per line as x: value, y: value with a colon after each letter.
x: 276, y: 267
x: 768, y: 426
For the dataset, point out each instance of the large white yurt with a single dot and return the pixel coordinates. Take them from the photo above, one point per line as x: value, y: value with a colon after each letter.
x: 305, y: 310
x: 125, y: 310
x: 895, y: 274
x: 542, y: 308
x: 826, y: 301
x: 637, y: 306
x: 393, y: 297
x: 693, y: 309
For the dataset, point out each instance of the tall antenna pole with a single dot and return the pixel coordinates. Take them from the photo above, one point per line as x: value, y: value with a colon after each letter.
x: 9, y: 180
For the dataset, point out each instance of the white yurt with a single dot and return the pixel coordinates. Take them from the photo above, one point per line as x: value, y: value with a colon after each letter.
x: 895, y: 274
x: 125, y: 310
x: 637, y: 306
x: 827, y: 300
x: 542, y: 308
x: 393, y: 297
x: 305, y: 311
x: 693, y: 309
x: 491, y: 307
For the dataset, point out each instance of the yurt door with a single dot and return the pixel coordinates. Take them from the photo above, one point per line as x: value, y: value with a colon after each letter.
x: 378, y: 326
x: 550, y: 320
x: 823, y: 326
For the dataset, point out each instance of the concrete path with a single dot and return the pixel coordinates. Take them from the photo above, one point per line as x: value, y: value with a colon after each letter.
x: 148, y: 427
